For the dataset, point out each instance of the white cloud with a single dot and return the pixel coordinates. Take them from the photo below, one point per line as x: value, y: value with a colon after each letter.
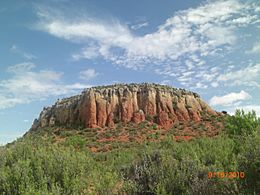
x: 249, y: 76
x: 243, y: 20
x: 219, y: 35
x: 201, y: 85
x: 55, y: 23
x: 200, y: 29
x: 8, y: 137
x: 210, y: 11
x: 77, y: 86
x: 139, y: 25
x: 214, y: 84
x: 255, y: 48
x: 28, y: 56
x: 26, y: 85
x: 7, y: 102
x: 229, y: 99
x: 87, y: 53
x: 165, y: 82
x: 21, y: 68
x: 88, y: 74
x: 188, y: 37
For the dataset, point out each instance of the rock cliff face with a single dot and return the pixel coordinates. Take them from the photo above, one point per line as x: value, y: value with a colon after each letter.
x: 105, y: 106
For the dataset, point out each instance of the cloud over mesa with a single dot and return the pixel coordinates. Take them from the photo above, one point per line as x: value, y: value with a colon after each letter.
x: 26, y: 85
x: 182, y: 42
x: 229, y: 99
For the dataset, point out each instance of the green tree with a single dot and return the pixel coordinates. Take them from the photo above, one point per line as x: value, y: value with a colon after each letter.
x: 242, y: 124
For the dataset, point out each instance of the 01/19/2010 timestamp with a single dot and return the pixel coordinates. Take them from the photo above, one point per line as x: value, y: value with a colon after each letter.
x: 230, y: 175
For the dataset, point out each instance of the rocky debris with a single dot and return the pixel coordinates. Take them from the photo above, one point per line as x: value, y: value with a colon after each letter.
x: 106, y: 105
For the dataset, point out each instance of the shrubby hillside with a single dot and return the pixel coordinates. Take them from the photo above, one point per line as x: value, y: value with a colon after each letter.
x: 35, y: 164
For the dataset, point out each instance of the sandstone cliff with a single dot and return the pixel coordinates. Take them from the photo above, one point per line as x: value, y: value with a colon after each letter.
x: 105, y: 106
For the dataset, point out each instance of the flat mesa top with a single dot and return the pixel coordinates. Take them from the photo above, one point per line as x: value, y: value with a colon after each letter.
x: 134, y: 86
x: 131, y: 87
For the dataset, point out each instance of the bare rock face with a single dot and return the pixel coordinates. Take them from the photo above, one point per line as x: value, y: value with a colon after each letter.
x: 88, y: 109
x: 164, y: 120
x: 105, y: 106
x: 138, y: 116
x: 110, y: 120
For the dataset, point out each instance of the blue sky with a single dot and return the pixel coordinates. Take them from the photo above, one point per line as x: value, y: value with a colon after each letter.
x: 56, y: 48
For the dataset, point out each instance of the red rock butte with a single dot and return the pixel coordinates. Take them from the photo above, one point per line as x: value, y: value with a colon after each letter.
x: 103, y: 106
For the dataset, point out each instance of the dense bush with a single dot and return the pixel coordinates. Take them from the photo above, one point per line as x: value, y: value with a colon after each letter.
x: 249, y: 161
x: 33, y: 165
x: 76, y: 141
x: 182, y: 168
x: 242, y: 124
x: 30, y: 167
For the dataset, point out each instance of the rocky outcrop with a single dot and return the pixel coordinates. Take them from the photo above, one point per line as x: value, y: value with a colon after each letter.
x: 164, y: 120
x: 105, y: 106
x: 138, y: 116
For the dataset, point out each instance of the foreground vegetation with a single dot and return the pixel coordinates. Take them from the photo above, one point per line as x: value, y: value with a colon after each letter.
x: 33, y: 165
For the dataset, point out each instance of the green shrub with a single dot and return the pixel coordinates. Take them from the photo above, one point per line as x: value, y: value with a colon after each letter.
x: 249, y: 162
x: 155, y: 126
x: 242, y: 124
x: 142, y: 125
x: 76, y: 141
x: 33, y: 166
x: 119, y: 125
x: 65, y: 133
